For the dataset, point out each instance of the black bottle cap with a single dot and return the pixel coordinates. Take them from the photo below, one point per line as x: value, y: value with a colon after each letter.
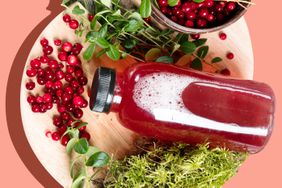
x: 102, y: 90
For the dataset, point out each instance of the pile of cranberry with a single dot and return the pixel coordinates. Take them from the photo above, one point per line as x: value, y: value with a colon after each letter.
x: 62, y: 84
x: 206, y: 14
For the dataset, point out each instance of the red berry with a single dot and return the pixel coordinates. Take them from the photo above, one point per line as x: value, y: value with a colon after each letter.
x: 62, y: 129
x: 90, y: 17
x: 60, y: 75
x: 230, y: 55
x: 163, y: 3
x: 67, y: 47
x: 77, y: 113
x: 195, y: 36
x: 41, y: 80
x: 80, y: 90
x: 230, y: 6
x: 65, y: 140
x: 56, y: 136
x: 58, y: 85
x: 75, y: 84
x: 78, y: 101
x: 31, y: 99
x: 69, y: 77
x: 57, y: 42
x: 203, y: 12
x: 44, y: 42
x: 57, y: 121
x: 47, y: 98
x: 65, y: 116
x: 47, y: 50
x: 201, y: 23
x: 53, y: 64
x: 82, y: 80
x: 44, y: 59
x: 62, y: 56
x: 189, y: 23
x: 67, y: 18
x: 70, y: 69
x: 31, y: 72
x: 222, y: 36
x: 39, y: 99
x: 61, y: 108
x: 30, y: 85
x: 49, y: 105
x: 35, y: 108
x: 68, y: 90
x: 72, y: 60
x: 85, y: 135
x: 49, y: 84
x: 73, y: 24
x: 35, y: 63
x: 209, y: 3
x: 66, y: 97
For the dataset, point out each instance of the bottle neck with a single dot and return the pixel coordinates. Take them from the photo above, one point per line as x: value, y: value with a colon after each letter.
x: 118, y: 90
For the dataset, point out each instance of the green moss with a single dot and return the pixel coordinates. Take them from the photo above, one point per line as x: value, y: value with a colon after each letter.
x: 175, y: 166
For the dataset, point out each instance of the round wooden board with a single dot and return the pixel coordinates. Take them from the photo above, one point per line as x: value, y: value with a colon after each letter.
x: 106, y: 132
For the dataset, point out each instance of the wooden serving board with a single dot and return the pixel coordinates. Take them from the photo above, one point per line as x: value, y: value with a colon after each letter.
x: 106, y: 131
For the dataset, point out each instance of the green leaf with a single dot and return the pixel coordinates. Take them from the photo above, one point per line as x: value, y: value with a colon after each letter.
x: 81, y: 146
x: 94, y: 22
x: 70, y: 145
x: 77, y: 10
x: 130, y: 43
x: 145, y: 8
x: 136, y: 16
x: 198, y: 1
x: 181, y: 38
x: 165, y: 59
x: 202, y: 52
x: 216, y: 60
x: 172, y: 3
x: 82, y: 124
x: 153, y: 54
x: 132, y: 26
x: 92, y: 36
x: 113, y: 53
x: 65, y: 1
x: 196, y: 64
x: 87, y: 55
x: 200, y: 42
x: 99, y: 159
x: 103, y: 31
x: 91, y: 151
x: 188, y: 47
x: 103, y: 43
x: 77, y: 183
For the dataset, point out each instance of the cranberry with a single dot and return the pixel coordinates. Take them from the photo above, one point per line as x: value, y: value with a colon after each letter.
x: 50, y: 75
x: 67, y: 47
x: 83, y: 128
x: 82, y: 80
x: 68, y: 90
x: 30, y: 85
x: 201, y: 23
x: 49, y: 105
x: 31, y: 72
x: 200, y: 5
x: 35, y: 63
x: 65, y: 140
x: 59, y: 92
x: 58, y: 85
x: 174, y: 18
x: 65, y: 116
x: 44, y: 42
x: 47, y: 50
x: 186, y: 7
x: 90, y: 17
x: 55, y: 99
x: 84, y: 104
x: 73, y: 24
x: 80, y: 90
x: 191, y: 15
x: 40, y: 72
x: 74, y: 84
x: 62, y: 56
x: 70, y: 122
x: 42, y: 108
x: 57, y: 121
x: 77, y: 113
x: 78, y: 46
x: 31, y: 99
x: 39, y: 99
x: 69, y: 107
x: 189, y: 23
x: 67, y: 18
x: 230, y: 55
x: 209, y: 3
x: 210, y: 18
x: 57, y: 42
x: 78, y: 101
x: 85, y: 135
x: 66, y: 97
x: 148, y: 19
x: 53, y: 64
x: 41, y: 80
x: 225, y: 72
x: 70, y: 69
x: 61, y: 108
x: 78, y: 72
x: 35, y: 108
x: 56, y: 136
x: 72, y: 60
x: 44, y: 59
x: 178, y: 13
x: 62, y: 129
x: 163, y: 3
x: 47, y: 98
x: 69, y: 77
x: 49, y: 84
x: 203, y: 12
x: 60, y: 75
x: 222, y: 36
x: 230, y: 6
x: 195, y: 36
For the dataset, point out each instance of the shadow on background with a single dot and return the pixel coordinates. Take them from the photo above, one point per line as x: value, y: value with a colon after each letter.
x: 13, y: 102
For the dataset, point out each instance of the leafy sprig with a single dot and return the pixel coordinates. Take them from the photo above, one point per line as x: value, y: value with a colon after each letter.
x: 86, y: 157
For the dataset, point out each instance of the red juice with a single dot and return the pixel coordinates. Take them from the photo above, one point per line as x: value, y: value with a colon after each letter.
x: 182, y: 105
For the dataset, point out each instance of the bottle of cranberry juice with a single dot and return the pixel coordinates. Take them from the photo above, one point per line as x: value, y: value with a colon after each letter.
x: 182, y: 105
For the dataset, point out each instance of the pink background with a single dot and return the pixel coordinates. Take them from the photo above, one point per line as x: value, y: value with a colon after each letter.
x: 18, y: 18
